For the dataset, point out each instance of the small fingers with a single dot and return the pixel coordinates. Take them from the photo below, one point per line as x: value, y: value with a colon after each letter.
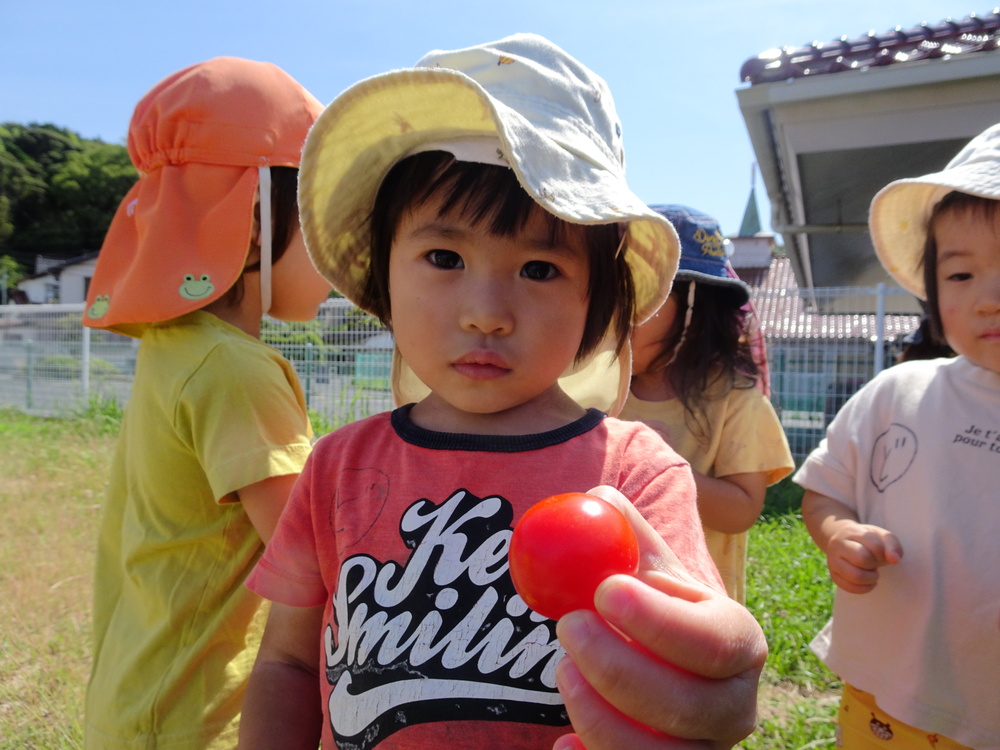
x: 850, y: 578
x: 869, y: 547
x: 891, y: 548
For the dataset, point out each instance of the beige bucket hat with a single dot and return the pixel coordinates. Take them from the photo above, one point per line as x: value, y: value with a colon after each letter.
x: 900, y: 211
x: 558, y: 130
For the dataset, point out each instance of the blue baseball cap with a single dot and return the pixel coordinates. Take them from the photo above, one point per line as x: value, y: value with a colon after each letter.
x: 704, y: 250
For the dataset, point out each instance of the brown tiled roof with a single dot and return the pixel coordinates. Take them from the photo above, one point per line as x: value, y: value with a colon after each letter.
x: 784, y: 311
x: 950, y: 37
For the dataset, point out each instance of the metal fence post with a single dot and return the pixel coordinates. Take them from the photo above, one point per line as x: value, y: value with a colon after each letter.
x: 309, y: 369
x: 85, y: 362
x: 29, y: 372
x: 879, y: 363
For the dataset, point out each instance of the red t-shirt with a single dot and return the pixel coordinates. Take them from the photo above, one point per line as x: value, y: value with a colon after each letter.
x: 402, y: 534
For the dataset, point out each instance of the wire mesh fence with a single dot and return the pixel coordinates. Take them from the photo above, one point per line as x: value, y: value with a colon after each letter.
x: 821, y: 346
x: 51, y: 365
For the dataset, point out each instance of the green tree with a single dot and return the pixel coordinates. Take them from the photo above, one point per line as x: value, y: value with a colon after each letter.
x: 88, y: 186
x: 6, y: 223
x: 21, y: 181
x: 58, y: 191
x: 10, y: 273
x: 292, y: 339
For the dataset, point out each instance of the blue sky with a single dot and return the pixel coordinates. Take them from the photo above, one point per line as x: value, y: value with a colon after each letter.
x: 672, y: 65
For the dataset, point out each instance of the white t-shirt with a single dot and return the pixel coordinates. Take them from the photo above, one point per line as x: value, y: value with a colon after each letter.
x: 917, y: 451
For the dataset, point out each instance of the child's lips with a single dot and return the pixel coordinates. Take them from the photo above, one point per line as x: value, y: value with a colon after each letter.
x: 482, y: 365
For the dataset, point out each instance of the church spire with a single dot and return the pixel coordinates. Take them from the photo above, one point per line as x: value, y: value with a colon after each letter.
x: 751, y: 217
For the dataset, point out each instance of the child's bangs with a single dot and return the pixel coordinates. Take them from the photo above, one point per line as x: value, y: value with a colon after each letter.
x: 488, y: 196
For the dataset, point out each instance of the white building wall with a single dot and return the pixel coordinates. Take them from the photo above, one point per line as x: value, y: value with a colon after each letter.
x: 69, y: 288
x: 73, y: 282
x: 37, y: 289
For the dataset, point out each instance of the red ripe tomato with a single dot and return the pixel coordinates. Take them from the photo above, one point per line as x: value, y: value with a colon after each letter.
x: 564, y: 546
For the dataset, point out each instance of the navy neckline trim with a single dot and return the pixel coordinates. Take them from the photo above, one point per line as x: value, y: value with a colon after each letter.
x: 458, y: 441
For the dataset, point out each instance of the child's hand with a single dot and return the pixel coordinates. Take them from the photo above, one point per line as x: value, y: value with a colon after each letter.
x: 856, y: 551
x: 695, y: 675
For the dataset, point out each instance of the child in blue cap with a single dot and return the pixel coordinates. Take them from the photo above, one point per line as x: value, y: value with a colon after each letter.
x: 694, y: 380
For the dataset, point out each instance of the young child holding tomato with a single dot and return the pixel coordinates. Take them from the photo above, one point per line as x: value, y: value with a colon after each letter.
x: 695, y: 378
x: 901, y: 494
x: 477, y: 205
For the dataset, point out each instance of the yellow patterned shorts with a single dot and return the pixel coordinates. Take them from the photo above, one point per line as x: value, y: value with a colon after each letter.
x: 861, y: 725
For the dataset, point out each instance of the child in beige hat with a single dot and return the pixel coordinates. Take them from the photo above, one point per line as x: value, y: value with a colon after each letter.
x: 901, y: 496
x: 477, y: 204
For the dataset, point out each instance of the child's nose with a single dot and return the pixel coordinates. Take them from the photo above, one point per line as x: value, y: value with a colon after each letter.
x: 487, y: 308
x: 989, y: 298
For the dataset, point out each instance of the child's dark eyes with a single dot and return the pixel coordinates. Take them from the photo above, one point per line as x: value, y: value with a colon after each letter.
x: 539, y: 270
x: 535, y: 270
x: 447, y: 259
x: 961, y: 276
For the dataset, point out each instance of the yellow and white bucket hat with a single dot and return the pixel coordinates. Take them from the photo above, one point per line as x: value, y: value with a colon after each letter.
x: 556, y: 126
x: 900, y: 211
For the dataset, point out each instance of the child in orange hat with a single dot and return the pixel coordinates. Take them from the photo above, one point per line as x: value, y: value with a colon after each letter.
x: 215, y: 431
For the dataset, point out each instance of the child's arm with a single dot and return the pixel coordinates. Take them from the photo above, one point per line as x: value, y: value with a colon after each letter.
x: 731, y: 504
x: 695, y: 676
x: 854, y: 550
x: 282, y: 703
x: 263, y: 502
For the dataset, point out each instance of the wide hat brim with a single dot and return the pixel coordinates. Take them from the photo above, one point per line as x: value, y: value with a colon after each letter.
x: 900, y: 212
x: 153, y: 266
x: 372, y: 125
x: 738, y: 288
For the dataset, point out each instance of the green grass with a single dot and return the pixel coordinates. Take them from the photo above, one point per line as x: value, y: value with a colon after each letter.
x: 52, y: 478
x: 348, y: 405
x: 790, y: 594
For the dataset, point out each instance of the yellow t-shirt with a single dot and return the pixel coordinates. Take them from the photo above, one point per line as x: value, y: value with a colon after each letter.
x: 176, y: 632
x: 745, y: 436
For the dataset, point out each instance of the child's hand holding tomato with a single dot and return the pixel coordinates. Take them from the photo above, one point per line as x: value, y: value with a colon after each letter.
x: 695, y: 677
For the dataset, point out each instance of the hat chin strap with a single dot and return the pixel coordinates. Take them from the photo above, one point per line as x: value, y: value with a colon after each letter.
x: 687, y: 322
x: 264, y: 174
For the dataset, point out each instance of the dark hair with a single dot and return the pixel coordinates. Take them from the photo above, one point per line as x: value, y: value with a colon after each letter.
x: 491, y: 197
x: 919, y: 344
x: 717, y: 346
x: 953, y: 202
x: 284, y: 220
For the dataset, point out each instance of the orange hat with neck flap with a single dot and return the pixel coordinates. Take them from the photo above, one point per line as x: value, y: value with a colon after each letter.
x: 203, y: 139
